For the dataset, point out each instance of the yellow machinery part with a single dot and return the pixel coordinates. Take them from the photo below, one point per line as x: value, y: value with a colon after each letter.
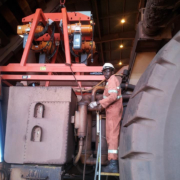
x: 25, y: 29
x: 42, y: 45
x: 85, y: 29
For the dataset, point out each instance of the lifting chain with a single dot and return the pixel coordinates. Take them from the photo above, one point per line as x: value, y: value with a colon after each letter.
x: 62, y: 2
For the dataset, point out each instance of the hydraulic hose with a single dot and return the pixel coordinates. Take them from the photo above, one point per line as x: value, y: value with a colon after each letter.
x: 37, y: 35
x: 49, y: 57
x: 5, y: 173
x: 127, y: 86
x: 80, y: 151
x: 72, y: 52
x: 93, y: 95
x: 51, y: 38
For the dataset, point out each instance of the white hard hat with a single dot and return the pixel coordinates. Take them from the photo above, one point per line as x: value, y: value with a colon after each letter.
x: 107, y: 65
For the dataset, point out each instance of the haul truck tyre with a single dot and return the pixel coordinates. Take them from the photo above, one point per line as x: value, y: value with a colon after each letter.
x: 150, y: 134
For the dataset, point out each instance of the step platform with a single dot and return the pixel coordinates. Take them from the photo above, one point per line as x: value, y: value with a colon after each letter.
x: 108, y: 174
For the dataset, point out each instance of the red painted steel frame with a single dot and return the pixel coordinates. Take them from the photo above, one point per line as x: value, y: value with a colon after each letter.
x: 66, y: 37
x: 30, y: 38
x: 72, y: 17
x: 46, y: 37
x: 53, y: 77
x: 53, y: 61
x: 79, y: 69
x: 31, y: 67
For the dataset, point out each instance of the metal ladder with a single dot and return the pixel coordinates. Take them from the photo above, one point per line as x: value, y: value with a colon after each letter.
x: 98, y: 158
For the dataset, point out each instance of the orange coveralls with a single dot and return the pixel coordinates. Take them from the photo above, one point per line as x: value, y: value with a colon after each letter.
x: 112, y: 102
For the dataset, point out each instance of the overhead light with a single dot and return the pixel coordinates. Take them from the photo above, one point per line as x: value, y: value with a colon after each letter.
x: 120, y: 63
x: 121, y: 46
x: 123, y: 21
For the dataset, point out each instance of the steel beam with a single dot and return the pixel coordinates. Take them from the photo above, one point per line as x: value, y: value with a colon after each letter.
x: 116, y: 36
x: 107, y: 7
x: 116, y: 50
x: 32, y: 67
x: 99, y: 29
x: 30, y: 38
x: 119, y: 15
x: 7, y: 83
x: 56, y: 17
x: 66, y: 36
x: 24, y: 7
x: 9, y: 17
x: 46, y: 37
x: 52, y: 62
x: 52, y: 77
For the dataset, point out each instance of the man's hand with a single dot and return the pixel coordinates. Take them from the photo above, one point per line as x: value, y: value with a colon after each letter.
x: 94, y: 107
x: 93, y: 104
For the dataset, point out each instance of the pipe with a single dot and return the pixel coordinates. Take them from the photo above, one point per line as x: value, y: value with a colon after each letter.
x: 127, y: 86
x: 86, y: 98
x: 80, y: 124
x: 126, y: 96
x: 157, y: 15
x: 93, y: 95
x: 5, y: 172
x: 89, y: 136
x: 104, y: 149
x: 82, y: 109
x: 92, y: 161
x: 80, y: 150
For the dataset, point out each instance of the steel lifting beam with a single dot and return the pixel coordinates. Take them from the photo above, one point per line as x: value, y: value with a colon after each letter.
x: 53, y: 77
x: 23, y: 66
x: 31, y: 67
x: 72, y: 17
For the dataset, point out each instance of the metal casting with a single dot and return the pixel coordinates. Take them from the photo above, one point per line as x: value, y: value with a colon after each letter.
x: 43, y: 139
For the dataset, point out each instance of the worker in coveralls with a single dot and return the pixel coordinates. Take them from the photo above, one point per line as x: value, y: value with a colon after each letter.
x: 112, y: 102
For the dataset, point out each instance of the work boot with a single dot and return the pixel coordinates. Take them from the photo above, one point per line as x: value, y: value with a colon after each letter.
x: 112, y: 167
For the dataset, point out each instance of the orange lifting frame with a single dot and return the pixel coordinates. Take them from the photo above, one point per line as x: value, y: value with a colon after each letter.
x: 52, y: 67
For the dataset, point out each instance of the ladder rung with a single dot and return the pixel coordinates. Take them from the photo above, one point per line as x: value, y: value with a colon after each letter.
x: 108, y: 174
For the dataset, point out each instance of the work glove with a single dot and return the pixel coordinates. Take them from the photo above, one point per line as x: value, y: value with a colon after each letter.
x: 93, y: 104
x: 96, y: 108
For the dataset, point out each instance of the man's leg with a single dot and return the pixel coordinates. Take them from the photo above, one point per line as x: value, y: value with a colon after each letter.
x: 113, y: 117
x: 114, y: 141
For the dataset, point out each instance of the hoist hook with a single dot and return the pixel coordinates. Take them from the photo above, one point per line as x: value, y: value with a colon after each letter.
x: 62, y: 2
